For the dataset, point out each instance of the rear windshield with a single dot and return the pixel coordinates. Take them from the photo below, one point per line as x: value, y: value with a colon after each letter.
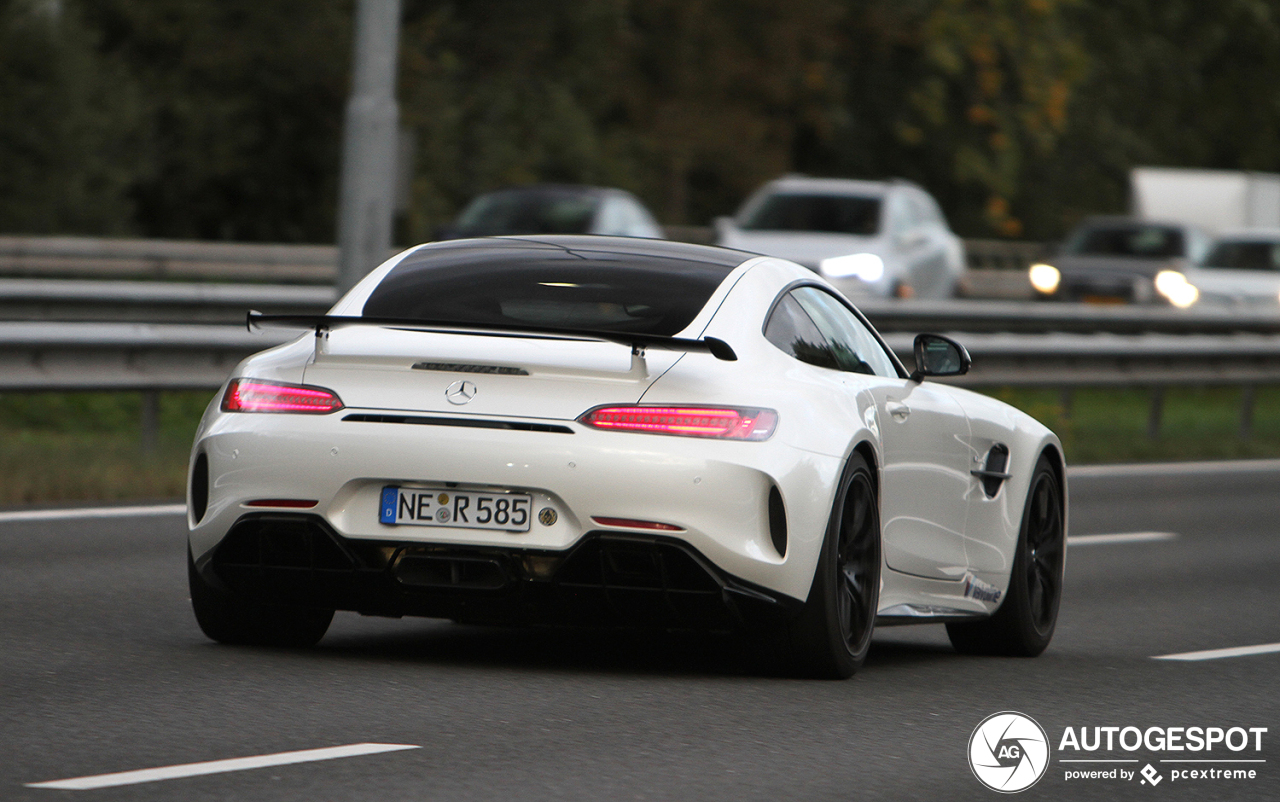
x: 531, y: 212
x: 835, y: 214
x: 548, y: 288
x: 1245, y: 256
x: 1149, y: 242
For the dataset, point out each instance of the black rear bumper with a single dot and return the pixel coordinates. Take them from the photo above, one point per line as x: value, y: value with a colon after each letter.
x: 606, y: 579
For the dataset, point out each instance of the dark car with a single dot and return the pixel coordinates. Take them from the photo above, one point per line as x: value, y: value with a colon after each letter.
x: 1121, y: 260
x: 554, y: 209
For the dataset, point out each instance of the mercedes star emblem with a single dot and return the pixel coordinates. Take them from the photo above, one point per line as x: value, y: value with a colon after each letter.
x: 460, y: 392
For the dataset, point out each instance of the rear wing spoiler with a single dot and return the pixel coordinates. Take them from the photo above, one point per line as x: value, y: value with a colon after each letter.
x: 637, y: 342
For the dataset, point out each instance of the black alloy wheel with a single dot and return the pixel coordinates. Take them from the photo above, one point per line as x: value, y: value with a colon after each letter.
x: 1024, y: 623
x: 230, y: 619
x: 1045, y: 546
x: 831, y: 636
x: 858, y: 564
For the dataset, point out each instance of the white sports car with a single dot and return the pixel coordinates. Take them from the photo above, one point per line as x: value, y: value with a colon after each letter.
x: 596, y: 430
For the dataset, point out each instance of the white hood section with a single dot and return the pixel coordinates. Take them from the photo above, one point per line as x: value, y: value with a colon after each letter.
x: 409, y: 371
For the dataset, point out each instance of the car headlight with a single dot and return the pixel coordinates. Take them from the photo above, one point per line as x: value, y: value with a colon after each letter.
x: 866, y: 266
x: 1175, y: 287
x: 1045, y: 278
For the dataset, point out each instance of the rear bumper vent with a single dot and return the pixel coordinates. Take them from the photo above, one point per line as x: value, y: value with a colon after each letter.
x: 777, y: 522
x: 606, y: 579
x: 200, y: 487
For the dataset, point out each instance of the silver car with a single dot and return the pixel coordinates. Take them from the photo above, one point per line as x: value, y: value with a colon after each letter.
x: 554, y: 209
x: 886, y: 238
x: 1241, y: 269
x: 1123, y: 260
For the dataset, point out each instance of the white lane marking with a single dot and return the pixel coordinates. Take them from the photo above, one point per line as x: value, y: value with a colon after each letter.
x: 1119, y: 537
x: 218, y: 766
x: 1216, y: 654
x: 92, y: 512
x: 1174, y: 468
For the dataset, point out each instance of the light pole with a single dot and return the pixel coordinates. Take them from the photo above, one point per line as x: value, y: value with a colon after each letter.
x: 366, y: 195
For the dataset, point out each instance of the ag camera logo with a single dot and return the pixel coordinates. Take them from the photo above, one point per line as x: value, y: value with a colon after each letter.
x: 1008, y: 752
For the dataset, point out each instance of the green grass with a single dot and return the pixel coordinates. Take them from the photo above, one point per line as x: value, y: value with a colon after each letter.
x: 1111, y: 425
x: 57, y: 447
x: 67, y: 447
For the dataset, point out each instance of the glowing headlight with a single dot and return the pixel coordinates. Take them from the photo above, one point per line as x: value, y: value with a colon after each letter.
x: 1174, y: 286
x: 1045, y: 278
x: 866, y: 266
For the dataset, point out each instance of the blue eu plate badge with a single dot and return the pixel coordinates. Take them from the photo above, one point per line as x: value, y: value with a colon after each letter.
x: 388, y: 510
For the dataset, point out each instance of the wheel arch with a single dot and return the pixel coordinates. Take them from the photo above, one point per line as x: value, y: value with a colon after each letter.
x: 1058, y: 463
x: 868, y: 452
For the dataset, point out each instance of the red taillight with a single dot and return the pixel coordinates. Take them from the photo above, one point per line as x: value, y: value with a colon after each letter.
x: 726, y: 423
x: 288, y: 503
x: 632, y: 523
x: 248, y: 395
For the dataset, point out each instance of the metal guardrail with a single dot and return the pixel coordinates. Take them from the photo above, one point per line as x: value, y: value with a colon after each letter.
x: 174, y: 302
x: 123, y: 356
x: 1039, y: 317
x: 118, y: 356
x: 37, y: 356
x: 154, y: 301
x: 100, y: 257
x: 92, y: 257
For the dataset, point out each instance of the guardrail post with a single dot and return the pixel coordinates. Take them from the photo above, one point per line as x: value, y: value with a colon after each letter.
x: 150, y: 436
x: 1156, y: 413
x: 1247, y: 397
x: 1065, y: 398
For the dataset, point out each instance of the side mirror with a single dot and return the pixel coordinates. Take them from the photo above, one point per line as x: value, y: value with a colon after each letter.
x: 939, y: 356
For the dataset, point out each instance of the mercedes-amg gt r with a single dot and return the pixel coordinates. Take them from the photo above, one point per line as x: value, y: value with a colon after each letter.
x: 604, y: 431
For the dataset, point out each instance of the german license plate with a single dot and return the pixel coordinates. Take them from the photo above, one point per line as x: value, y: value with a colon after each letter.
x: 418, y: 506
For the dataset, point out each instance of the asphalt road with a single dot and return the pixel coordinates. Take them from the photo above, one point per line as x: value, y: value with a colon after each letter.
x: 102, y: 669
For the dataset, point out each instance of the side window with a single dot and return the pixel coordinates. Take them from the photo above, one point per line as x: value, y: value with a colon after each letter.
x: 932, y: 214
x: 901, y: 216
x: 853, y: 345
x: 792, y: 331
x: 622, y: 217
x: 640, y: 223
x: 610, y: 218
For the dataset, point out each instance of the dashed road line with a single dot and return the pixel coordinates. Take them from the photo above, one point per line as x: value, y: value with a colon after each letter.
x: 92, y: 512
x: 1218, y: 654
x: 1119, y: 537
x: 218, y: 766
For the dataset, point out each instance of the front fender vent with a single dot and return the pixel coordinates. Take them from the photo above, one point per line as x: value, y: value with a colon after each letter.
x: 994, y: 472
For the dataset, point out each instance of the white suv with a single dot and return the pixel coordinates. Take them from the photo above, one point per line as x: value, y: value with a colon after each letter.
x: 885, y: 238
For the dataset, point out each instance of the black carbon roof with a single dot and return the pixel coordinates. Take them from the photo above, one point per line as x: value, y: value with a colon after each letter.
x: 562, y: 282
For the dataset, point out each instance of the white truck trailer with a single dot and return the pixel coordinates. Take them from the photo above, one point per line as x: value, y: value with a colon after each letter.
x: 1215, y: 200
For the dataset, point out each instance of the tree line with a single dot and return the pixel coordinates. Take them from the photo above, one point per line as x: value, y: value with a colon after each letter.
x: 221, y: 120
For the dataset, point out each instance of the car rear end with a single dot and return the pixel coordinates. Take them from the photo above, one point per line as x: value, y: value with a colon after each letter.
x: 495, y: 477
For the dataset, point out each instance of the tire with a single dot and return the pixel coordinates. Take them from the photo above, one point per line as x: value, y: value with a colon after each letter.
x: 1024, y: 623
x: 231, y: 620
x: 830, y: 637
